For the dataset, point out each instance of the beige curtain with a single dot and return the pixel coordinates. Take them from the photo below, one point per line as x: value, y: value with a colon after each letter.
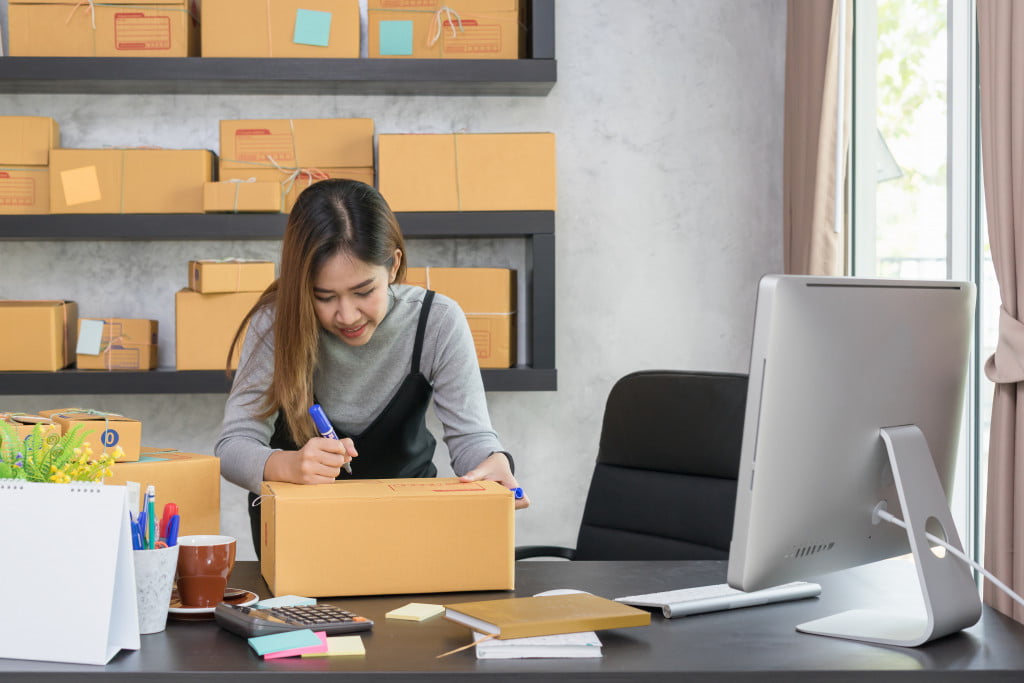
x: 1001, y: 70
x: 811, y: 245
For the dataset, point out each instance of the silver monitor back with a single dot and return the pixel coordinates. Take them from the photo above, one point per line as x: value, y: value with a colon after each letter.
x: 833, y: 361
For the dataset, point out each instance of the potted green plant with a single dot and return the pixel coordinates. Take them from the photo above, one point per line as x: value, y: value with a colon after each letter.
x: 69, y: 458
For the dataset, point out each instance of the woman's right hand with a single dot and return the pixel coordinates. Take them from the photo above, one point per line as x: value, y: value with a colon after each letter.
x: 318, y: 462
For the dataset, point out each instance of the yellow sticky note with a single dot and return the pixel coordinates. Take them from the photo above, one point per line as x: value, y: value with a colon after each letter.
x: 338, y: 646
x: 81, y: 185
x: 415, y: 611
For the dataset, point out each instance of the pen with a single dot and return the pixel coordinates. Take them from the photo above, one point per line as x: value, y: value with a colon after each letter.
x: 323, y: 425
x: 172, y: 530
x: 140, y: 522
x: 170, y: 509
x: 517, y: 493
x: 151, y: 516
x: 136, y: 534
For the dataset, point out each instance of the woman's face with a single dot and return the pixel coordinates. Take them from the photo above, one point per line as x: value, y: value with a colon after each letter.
x: 351, y: 296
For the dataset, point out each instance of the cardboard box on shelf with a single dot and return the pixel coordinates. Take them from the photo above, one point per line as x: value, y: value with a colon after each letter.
x: 190, y: 480
x: 290, y: 144
x: 129, y: 180
x: 281, y: 28
x: 40, y: 335
x: 488, y: 298
x: 291, y: 184
x: 116, y: 344
x: 25, y: 144
x: 446, y: 29
x: 229, y: 275
x: 243, y: 196
x: 206, y: 325
x: 400, y: 523
x: 107, y: 429
x: 113, y: 28
x: 468, y: 171
x: 23, y: 424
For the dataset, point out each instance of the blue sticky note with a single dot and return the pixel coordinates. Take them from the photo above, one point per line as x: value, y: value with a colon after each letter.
x: 286, y: 640
x: 285, y: 601
x: 312, y: 28
x: 396, y: 37
x: 90, y: 337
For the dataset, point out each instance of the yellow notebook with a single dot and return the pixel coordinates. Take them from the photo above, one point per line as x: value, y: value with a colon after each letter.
x: 545, y: 615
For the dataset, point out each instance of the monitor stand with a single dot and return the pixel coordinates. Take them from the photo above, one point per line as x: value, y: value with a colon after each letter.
x: 950, y: 595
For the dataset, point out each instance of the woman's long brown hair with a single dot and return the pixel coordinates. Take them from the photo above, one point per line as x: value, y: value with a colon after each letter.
x: 330, y: 217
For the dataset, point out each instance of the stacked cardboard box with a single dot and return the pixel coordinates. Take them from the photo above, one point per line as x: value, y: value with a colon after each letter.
x: 116, y: 344
x: 190, y: 480
x: 25, y: 144
x: 38, y: 335
x: 468, y: 172
x: 488, y: 298
x: 446, y: 29
x: 23, y: 424
x: 242, y: 196
x: 281, y: 28
x: 209, y: 312
x: 295, y: 153
x: 129, y: 180
x: 112, y: 28
x: 107, y: 429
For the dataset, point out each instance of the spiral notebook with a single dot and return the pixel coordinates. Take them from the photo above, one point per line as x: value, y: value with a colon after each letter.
x: 68, y: 572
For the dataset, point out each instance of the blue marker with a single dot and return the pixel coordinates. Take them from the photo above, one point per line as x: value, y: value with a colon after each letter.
x: 323, y: 425
x: 517, y: 493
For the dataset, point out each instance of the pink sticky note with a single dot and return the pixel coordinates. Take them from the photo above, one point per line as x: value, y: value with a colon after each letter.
x: 297, y: 651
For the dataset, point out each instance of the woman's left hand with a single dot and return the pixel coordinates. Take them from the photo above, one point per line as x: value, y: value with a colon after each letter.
x: 496, y: 468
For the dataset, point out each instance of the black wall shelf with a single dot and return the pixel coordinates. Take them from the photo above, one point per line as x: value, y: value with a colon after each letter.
x: 532, y: 76
x: 171, y: 381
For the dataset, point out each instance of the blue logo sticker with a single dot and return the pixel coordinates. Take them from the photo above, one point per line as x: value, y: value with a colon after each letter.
x: 109, y: 437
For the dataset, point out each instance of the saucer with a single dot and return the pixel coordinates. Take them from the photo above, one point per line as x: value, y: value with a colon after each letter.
x: 234, y: 596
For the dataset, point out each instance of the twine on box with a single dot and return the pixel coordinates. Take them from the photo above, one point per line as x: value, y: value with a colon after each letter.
x: 438, y: 24
x: 237, y: 186
x: 70, y: 412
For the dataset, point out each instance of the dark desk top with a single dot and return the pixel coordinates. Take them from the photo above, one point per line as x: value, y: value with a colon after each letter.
x: 746, y: 644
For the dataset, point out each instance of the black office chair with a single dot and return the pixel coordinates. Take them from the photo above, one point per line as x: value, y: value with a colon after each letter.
x: 664, y: 485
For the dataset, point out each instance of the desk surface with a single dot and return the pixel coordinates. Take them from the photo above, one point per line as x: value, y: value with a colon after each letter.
x: 747, y: 644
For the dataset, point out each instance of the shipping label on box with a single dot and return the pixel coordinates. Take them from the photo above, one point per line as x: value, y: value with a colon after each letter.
x: 242, y: 196
x: 45, y: 338
x: 230, y: 275
x: 24, y: 190
x: 129, y: 180
x: 24, y: 424
x: 206, y: 325
x: 445, y: 29
x: 468, y: 171
x: 107, y: 429
x: 112, y: 28
x: 117, y: 344
x: 459, y: 536
x: 190, y: 480
x: 488, y: 298
x: 293, y: 144
x: 281, y: 28
x: 27, y: 140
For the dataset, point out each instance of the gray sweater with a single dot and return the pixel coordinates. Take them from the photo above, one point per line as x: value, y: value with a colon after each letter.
x: 355, y: 383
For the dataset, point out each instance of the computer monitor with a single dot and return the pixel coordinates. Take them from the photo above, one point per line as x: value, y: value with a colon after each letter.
x: 854, y: 402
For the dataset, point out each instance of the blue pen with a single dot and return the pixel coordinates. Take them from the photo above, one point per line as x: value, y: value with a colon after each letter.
x: 172, y: 530
x: 141, y: 522
x: 323, y: 425
x: 136, y: 535
x: 151, y: 538
x: 517, y: 493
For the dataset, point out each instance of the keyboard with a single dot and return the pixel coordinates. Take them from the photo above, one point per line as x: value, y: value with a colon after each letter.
x: 700, y: 599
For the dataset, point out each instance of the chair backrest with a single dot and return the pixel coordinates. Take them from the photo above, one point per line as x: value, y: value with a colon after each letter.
x: 664, y: 486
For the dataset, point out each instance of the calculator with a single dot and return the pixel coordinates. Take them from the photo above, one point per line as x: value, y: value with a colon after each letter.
x: 250, y: 621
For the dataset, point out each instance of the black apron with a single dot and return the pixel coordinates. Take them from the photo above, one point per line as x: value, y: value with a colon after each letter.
x: 397, y: 444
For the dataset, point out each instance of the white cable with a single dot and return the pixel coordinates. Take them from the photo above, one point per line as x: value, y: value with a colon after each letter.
x: 888, y: 517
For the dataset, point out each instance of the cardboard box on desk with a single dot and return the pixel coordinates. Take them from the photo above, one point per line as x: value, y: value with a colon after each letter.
x: 446, y: 29
x: 206, y: 325
x: 45, y: 338
x: 112, y: 28
x: 380, y: 536
x: 25, y: 144
x: 281, y: 28
x: 488, y: 298
x: 468, y: 171
x: 243, y: 195
x: 24, y: 424
x: 190, y: 480
x: 229, y: 275
x: 122, y: 344
x: 108, y: 429
x: 129, y: 180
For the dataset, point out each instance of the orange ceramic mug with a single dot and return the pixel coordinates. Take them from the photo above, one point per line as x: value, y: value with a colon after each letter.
x: 204, y: 565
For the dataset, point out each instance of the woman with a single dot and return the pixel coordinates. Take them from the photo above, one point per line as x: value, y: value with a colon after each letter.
x: 337, y: 329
